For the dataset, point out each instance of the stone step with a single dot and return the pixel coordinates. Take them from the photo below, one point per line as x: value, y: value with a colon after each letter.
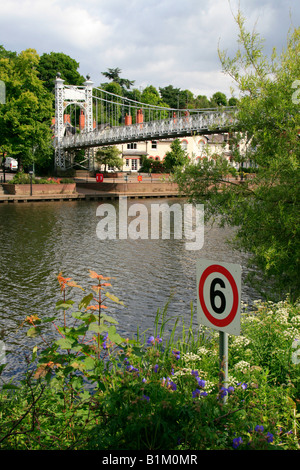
x: 2, y: 190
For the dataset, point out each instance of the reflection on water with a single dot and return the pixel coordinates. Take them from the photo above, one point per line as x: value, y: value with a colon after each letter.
x: 39, y: 240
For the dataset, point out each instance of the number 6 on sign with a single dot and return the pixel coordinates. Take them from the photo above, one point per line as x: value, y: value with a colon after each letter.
x: 218, y: 295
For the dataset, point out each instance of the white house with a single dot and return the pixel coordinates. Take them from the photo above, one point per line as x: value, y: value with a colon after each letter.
x: 197, y: 148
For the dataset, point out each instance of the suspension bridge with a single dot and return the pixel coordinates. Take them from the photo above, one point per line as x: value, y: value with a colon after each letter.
x: 105, y: 118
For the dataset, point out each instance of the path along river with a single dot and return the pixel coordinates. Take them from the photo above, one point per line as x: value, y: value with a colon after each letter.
x: 38, y: 240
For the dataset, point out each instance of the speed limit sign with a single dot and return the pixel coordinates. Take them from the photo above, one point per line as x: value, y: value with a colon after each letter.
x: 218, y: 295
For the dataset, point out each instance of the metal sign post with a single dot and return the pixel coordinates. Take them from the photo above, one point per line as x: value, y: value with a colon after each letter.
x: 223, y: 357
x: 218, y: 305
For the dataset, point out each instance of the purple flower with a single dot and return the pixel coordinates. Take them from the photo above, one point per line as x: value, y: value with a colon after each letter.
x: 171, y: 385
x: 104, y: 345
x: 201, y: 382
x: 195, y: 373
x: 259, y: 428
x: 150, y: 340
x: 145, y: 397
x: 230, y: 390
x: 130, y: 368
x: 176, y: 354
x: 155, y: 368
x: 237, y: 441
x: 243, y: 385
x: 158, y: 339
x: 270, y: 437
x: 198, y: 393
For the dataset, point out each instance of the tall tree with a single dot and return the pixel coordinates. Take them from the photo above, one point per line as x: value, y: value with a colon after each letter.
x: 50, y: 64
x: 150, y: 95
x: 176, y: 158
x: 109, y: 156
x: 265, y: 208
x: 4, y: 54
x: 174, y: 97
x: 25, y: 118
x: 201, y: 101
x: 114, y: 75
x: 218, y: 99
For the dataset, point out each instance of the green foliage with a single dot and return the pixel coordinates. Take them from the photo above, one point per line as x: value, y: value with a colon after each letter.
x: 25, y: 118
x: 184, y: 99
x: 4, y: 54
x: 90, y: 389
x: 219, y: 99
x: 176, y: 158
x: 109, y: 156
x: 25, y: 178
x: 265, y: 207
x: 50, y: 64
x: 114, y: 76
x: 151, y: 96
x: 149, y: 165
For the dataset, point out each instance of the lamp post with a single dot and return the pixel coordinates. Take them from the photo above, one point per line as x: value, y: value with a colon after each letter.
x: 31, y: 173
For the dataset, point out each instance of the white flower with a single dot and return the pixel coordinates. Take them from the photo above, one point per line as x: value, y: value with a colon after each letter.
x: 242, y: 366
x: 188, y: 357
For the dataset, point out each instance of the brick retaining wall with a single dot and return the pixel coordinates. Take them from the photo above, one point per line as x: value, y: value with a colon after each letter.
x: 130, y: 187
x: 24, y: 189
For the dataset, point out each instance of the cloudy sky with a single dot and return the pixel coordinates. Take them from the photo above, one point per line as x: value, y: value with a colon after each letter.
x: 154, y: 42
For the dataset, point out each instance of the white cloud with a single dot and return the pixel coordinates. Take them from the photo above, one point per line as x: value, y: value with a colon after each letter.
x: 158, y: 42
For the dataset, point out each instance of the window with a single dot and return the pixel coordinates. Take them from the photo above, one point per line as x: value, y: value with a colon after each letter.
x: 184, y: 144
x: 154, y: 144
x: 134, y: 164
x: 131, y: 145
x: 201, y: 145
x: 127, y: 162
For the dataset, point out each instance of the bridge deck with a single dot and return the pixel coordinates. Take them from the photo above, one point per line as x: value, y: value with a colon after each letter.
x: 210, y: 122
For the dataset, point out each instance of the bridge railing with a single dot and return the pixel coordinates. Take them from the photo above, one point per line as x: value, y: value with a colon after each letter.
x: 176, y: 126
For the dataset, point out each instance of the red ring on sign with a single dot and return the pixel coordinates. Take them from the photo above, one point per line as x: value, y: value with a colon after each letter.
x: 220, y: 269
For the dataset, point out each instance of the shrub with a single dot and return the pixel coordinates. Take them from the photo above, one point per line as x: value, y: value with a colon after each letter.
x: 24, y: 178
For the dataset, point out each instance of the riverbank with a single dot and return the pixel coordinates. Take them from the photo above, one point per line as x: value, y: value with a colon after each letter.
x: 86, y: 190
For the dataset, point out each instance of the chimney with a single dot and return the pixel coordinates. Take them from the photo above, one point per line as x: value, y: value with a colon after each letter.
x: 81, y: 120
x: 139, y: 117
x: 128, y: 120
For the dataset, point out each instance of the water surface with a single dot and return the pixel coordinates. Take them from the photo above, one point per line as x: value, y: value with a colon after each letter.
x: 39, y: 240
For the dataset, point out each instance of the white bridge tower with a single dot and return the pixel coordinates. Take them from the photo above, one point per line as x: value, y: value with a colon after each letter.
x: 66, y: 95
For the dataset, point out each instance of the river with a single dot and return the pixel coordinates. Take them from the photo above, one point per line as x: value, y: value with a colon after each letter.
x: 39, y: 240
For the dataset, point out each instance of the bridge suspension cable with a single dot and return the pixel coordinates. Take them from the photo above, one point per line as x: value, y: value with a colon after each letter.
x: 117, y: 107
x: 111, y: 119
